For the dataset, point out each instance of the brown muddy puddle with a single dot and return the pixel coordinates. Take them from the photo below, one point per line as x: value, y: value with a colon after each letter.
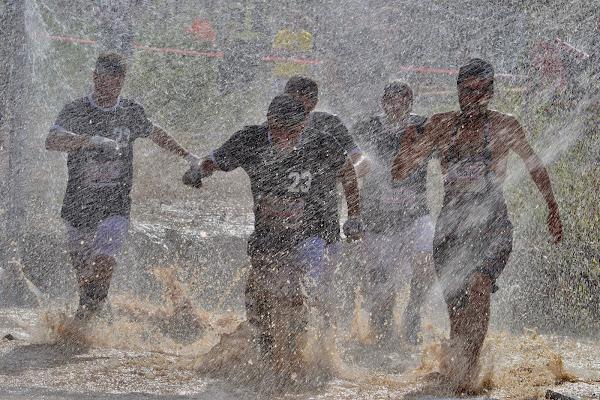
x: 176, y: 350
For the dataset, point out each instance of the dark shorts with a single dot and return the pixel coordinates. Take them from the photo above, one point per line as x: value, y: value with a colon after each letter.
x: 462, y: 248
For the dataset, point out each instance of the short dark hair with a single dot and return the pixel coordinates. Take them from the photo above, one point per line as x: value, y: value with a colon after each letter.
x: 478, y: 68
x: 303, y: 86
x: 286, y: 110
x: 111, y: 63
x: 397, y: 87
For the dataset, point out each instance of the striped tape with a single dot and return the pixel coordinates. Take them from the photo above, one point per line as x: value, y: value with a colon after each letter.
x: 271, y: 59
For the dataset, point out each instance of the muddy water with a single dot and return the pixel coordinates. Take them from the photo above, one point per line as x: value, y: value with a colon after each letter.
x: 177, y: 332
x: 140, y: 352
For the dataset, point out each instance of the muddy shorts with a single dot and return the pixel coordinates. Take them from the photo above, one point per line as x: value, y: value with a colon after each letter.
x: 461, y: 248
x: 107, y: 238
x: 388, y: 256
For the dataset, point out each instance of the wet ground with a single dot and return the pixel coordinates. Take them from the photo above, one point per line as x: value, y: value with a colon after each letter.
x: 133, y: 359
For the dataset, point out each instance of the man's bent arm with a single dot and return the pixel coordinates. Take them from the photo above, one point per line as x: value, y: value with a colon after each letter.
x: 362, y: 164
x: 350, y: 185
x: 65, y: 141
x: 414, y: 150
x: 539, y: 175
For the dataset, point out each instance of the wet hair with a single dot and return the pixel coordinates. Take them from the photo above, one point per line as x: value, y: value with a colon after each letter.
x: 303, y: 86
x: 111, y: 63
x: 397, y: 88
x: 478, y: 68
x: 286, y: 110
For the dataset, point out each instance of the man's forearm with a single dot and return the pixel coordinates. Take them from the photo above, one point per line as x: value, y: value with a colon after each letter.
x: 350, y: 186
x: 163, y: 139
x: 65, y: 141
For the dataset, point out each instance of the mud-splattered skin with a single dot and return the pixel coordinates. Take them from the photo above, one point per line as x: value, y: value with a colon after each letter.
x: 505, y: 133
x: 473, y: 237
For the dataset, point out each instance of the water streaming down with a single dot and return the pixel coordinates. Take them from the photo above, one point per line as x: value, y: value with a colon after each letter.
x: 176, y: 326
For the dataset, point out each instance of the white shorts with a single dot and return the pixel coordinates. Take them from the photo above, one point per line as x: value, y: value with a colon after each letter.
x: 107, y: 238
x: 391, y: 254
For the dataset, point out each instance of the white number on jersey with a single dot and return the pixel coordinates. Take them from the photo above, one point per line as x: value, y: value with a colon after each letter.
x: 301, y: 182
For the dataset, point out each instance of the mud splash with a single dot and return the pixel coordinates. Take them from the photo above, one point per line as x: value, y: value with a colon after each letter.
x: 176, y: 348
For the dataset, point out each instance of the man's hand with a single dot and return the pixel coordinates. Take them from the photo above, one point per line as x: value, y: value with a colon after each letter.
x: 354, y: 228
x: 104, y: 143
x: 410, y: 135
x: 192, y: 159
x: 193, y: 176
x: 555, y: 224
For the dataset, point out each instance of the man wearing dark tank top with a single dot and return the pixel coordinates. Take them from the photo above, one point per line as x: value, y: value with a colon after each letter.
x: 473, y: 235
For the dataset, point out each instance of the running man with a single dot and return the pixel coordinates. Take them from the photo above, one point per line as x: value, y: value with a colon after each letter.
x: 98, y: 133
x: 473, y: 235
x: 292, y: 170
x: 330, y: 124
x: 398, y: 242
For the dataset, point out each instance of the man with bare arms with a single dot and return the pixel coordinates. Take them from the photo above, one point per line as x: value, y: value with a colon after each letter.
x: 473, y: 235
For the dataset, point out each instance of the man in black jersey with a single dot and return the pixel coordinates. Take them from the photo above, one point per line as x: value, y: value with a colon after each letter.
x: 398, y: 242
x: 308, y: 91
x: 473, y: 234
x: 98, y: 132
x: 292, y: 170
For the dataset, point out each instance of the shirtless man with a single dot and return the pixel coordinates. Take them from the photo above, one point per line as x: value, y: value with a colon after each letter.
x: 473, y: 235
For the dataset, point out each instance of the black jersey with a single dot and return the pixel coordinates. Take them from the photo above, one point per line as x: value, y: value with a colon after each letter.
x: 333, y: 125
x: 99, y: 180
x: 389, y: 207
x: 290, y: 189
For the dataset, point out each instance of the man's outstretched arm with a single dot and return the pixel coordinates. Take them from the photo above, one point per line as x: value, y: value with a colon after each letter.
x: 164, y: 140
x: 193, y: 176
x: 65, y: 141
x: 539, y: 174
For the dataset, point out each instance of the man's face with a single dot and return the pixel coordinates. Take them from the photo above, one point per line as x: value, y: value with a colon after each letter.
x: 397, y: 107
x: 474, y: 95
x: 309, y: 101
x: 285, y: 137
x: 108, y: 86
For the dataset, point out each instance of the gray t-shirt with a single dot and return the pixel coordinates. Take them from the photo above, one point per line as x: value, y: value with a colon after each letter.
x: 389, y: 207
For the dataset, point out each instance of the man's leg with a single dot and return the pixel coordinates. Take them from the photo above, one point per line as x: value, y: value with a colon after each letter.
x: 94, y: 271
x: 317, y: 278
x: 382, y: 255
x: 468, y: 328
x: 258, y: 304
x: 290, y: 320
x: 421, y: 282
x: 419, y: 241
x: 469, y: 323
x: 332, y: 262
x: 289, y: 312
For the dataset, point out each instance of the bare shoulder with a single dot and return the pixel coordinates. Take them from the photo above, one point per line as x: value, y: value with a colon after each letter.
x: 444, y: 118
x: 506, y: 128
x: 502, y: 120
x: 442, y: 124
